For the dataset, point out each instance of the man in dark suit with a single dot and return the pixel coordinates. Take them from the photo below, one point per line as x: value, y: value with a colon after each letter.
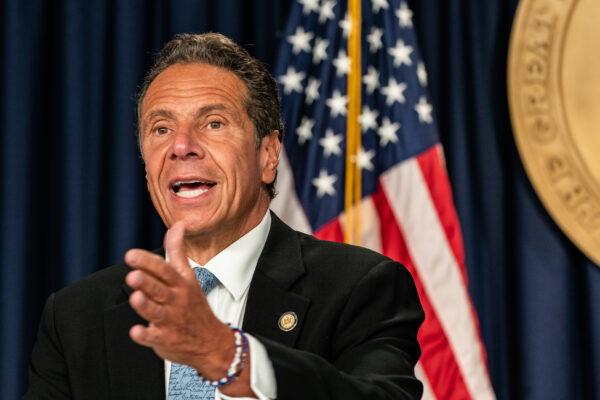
x: 319, y: 320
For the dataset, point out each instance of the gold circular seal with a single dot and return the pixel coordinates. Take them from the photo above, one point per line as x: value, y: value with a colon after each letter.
x: 288, y: 321
x: 554, y: 96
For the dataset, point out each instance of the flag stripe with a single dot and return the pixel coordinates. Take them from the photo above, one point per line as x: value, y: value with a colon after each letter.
x: 436, y: 265
x: 437, y: 357
x: 331, y: 231
x: 370, y: 233
x: 434, y: 172
x: 370, y: 227
x: 286, y: 204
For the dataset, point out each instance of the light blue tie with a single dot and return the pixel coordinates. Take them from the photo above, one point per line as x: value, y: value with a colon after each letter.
x: 184, y: 382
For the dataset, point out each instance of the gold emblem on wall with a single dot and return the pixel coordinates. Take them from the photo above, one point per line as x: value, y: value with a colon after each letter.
x: 554, y: 96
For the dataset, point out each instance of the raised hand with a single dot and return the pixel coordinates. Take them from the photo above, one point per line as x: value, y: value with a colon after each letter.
x: 182, y: 327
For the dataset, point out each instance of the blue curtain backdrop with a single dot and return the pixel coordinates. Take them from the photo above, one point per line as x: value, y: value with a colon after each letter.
x: 73, y: 195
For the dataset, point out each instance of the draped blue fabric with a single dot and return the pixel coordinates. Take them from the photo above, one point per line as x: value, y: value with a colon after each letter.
x: 73, y: 196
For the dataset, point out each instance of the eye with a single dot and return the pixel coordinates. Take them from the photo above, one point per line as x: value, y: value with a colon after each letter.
x: 161, y: 130
x: 215, y: 124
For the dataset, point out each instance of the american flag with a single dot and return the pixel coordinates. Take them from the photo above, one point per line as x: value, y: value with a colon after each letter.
x: 406, y: 207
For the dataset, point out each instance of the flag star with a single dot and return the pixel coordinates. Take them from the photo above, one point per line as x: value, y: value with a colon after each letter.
x: 309, y: 5
x: 292, y: 80
x: 404, y: 15
x: 422, y: 73
x: 331, y: 143
x: 387, y: 132
x: 371, y: 80
x: 342, y: 63
x: 401, y: 53
x: 300, y: 40
x: 424, y: 109
x: 324, y: 183
x: 312, y: 90
x: 326, y: 11
x: 368, y: 119
x: 304, y: 131
x: 379, y: 4
x: 374, y: 39
x: 364, y: 159
x: 337, y: 103
x: 320, y: 50
x: 346, y: 25
x: 394, y: 91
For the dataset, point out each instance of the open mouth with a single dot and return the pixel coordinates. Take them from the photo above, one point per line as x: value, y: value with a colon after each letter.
x: 191, y: 188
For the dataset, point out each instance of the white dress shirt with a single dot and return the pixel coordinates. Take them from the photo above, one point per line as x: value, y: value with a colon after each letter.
x: 234, y: 268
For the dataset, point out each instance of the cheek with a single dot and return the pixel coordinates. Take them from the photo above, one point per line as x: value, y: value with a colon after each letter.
x: 154, y: 162
x: 151, y: 172
x: 244, y: 177
x: 235, y: 161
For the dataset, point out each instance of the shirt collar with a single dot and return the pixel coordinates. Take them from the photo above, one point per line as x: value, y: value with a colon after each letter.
x: 235, y: 265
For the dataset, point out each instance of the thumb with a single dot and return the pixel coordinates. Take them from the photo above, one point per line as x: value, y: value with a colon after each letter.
x: 175, y: 248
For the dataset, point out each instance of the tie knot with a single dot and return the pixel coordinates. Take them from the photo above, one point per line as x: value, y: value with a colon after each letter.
x: 206, y: 279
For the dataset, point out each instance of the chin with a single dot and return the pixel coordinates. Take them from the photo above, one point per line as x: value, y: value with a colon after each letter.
x: 197, y: 228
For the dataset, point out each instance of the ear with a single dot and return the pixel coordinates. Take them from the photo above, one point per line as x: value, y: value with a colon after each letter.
x: 270, y: 146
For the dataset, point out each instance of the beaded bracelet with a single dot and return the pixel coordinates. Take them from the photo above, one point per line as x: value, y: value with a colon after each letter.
x: 237, y: 364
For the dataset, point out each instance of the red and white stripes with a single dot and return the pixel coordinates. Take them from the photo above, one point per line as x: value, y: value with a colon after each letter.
x: 411, y: 218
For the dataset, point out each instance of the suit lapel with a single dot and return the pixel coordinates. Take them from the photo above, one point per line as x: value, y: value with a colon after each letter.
x: 278, y: 267
x: 135, y: 372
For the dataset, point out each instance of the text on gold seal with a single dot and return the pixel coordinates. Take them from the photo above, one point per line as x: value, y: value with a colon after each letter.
x: 554, y: 96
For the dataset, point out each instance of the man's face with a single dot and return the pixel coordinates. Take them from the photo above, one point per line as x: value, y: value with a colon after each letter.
x: 199, y: 147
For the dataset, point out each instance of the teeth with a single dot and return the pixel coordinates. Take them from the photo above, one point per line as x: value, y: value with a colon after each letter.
x: 190, y: 193
x: 179, y: 183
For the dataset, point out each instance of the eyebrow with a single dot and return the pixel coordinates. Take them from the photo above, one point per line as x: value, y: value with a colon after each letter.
x: 209, y: 108
x: 170, y: 115
x: 159, y: 113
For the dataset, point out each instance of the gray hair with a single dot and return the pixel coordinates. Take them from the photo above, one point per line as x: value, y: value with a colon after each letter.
x: 262, y: 100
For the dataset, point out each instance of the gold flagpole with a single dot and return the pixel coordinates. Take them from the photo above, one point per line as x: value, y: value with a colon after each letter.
x: 353, y: 189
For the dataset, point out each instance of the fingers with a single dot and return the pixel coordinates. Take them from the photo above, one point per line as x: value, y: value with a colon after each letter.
x: 152, y: 264
x: 146, y: 336
x: 146, y: 307
x: 150, y: 286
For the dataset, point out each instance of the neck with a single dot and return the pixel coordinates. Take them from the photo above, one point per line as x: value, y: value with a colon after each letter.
x: 203, y: 247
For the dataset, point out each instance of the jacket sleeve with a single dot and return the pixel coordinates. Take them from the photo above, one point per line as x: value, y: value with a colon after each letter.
x: 374, y: 348
x: 48, y: 370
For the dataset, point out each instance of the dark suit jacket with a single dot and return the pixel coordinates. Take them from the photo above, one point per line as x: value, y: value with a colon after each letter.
x: 358, y: 317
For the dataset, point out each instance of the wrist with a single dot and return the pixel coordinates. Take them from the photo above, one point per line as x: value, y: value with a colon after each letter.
x: 236, y: 365
x: 216, y: 361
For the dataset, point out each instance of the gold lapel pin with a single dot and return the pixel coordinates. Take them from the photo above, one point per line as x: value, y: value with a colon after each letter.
x: 288, y: 321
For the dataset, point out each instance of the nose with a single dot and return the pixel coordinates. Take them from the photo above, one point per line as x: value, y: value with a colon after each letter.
x: 184, y: 146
